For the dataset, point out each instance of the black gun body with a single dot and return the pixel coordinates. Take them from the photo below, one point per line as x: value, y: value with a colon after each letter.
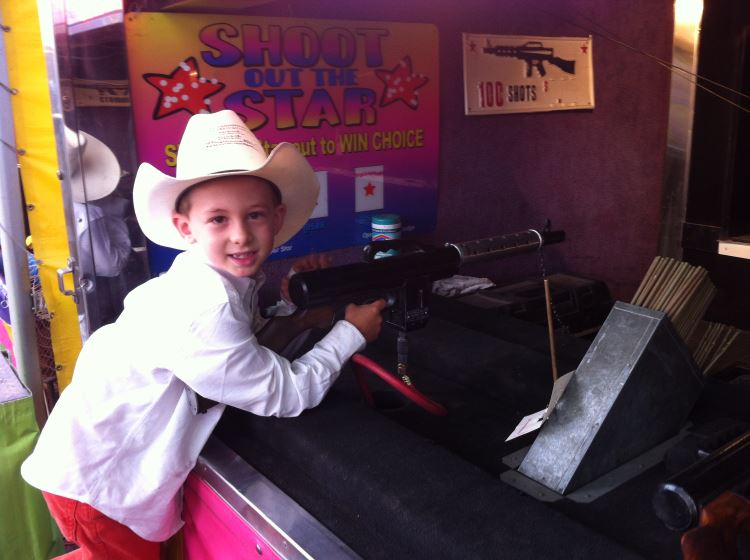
x: 362, y: 281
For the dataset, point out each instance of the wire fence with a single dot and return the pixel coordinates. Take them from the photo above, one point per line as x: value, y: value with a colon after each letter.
x: 42, y: 324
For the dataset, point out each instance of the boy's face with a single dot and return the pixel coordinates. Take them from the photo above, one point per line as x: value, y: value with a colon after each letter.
x: 233, y: 220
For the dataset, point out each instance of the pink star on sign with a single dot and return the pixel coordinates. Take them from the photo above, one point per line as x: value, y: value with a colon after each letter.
x: 183, y: 89
x: 401, y: 84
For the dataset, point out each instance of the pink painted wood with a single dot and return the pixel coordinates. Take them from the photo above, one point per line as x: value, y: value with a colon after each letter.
x: 6, y: 340
x: 214, y: 531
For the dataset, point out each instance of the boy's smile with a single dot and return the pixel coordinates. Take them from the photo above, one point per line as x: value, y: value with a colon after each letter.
x: 233, y: 220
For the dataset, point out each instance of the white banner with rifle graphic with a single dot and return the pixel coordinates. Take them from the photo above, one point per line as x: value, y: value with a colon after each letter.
x: 522, y: 74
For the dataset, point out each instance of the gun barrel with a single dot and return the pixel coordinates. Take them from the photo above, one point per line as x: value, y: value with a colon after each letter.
x: 501, y: 50
x: 506, y: 245
x: 677, y: 502
x: 524, y: 51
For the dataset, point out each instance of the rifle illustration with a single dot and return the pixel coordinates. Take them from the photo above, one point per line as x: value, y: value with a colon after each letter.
x: 534, y: 54
x: 403, y: 280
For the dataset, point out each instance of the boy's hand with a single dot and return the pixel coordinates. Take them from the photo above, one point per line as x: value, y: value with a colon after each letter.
x: 366, y: 318
x: 313, y: 261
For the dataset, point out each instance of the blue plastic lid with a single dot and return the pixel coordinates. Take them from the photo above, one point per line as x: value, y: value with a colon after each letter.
x: 386, y: 219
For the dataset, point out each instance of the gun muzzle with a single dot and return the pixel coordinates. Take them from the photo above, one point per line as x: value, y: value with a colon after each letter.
x: 678, y: 501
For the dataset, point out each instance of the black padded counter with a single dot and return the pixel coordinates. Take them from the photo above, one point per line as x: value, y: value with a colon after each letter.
x: 396, y: 482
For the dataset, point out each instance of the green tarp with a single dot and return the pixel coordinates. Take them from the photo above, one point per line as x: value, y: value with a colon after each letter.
x: 26, y: 529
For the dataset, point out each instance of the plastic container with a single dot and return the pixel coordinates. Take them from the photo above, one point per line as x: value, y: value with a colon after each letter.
x: 384, y: 228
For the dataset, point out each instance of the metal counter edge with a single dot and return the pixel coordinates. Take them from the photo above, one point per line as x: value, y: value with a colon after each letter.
x: 284, y: 524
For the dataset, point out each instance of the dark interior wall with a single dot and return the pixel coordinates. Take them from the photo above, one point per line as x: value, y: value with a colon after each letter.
x: 596, y: 174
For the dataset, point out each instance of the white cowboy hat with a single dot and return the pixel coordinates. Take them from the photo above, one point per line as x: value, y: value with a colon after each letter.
x: 93, y: 167
x: 217, y: 145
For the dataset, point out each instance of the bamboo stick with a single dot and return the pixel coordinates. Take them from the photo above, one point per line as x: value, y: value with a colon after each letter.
x: 659, y: 280
x: 681, y: 277
x: 644, y: 281
x: 701, y: 346
x: 698, y: 309
x: 697, y: 336
x: 648, y: 288
x: 670, y: 285
x: 737, y: 351
x: 684, y: 292
x: 692, y: 291
x: 726, y: 344
x: 711, y: 339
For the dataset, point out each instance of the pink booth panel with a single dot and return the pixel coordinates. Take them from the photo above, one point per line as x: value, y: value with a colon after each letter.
x: 214, y: 531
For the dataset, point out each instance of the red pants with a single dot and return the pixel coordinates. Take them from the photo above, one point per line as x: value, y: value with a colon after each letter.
x: 98, y: 536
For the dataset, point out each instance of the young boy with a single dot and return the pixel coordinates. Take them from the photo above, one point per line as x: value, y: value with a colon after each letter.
x: 123, y: 437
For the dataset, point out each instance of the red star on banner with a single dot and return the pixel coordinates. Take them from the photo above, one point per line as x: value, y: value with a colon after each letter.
x: 183, y: 89
x: 584, y: 48
x: 401, y: 84
x: 369, y: 189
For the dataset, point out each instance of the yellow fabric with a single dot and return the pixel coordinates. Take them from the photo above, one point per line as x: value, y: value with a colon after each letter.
x: 32, y: 115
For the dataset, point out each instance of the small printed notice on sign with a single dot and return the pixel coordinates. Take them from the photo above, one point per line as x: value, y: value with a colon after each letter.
x: 523, y: 74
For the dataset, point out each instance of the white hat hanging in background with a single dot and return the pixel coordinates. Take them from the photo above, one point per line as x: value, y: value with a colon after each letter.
x: 93, y: 167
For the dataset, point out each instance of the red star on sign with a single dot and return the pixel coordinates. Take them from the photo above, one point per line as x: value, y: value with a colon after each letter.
x: 369, y: 189
x: 401, y: 84
x: 183, y: 89
x: 584, y: 47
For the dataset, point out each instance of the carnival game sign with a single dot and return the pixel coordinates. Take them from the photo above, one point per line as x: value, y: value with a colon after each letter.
x: 522, y: 74
x: 358, y: 98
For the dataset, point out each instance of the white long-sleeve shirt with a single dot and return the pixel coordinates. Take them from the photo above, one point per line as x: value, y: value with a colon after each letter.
x: 122, y: 437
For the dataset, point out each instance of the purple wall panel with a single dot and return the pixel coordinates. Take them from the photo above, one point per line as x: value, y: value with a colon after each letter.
x: 596, y: 174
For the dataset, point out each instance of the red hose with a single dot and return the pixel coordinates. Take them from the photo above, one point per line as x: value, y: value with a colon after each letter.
x: 363, y: 363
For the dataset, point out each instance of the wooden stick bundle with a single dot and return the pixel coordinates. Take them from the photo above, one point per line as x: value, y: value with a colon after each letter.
x: 677, y: 288
x: 684, y: 292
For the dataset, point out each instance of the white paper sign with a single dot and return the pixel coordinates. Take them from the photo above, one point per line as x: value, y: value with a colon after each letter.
x: 522, y: 74
x: 534, y: 421
x: 528, y: 424
x: 368, y: 185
